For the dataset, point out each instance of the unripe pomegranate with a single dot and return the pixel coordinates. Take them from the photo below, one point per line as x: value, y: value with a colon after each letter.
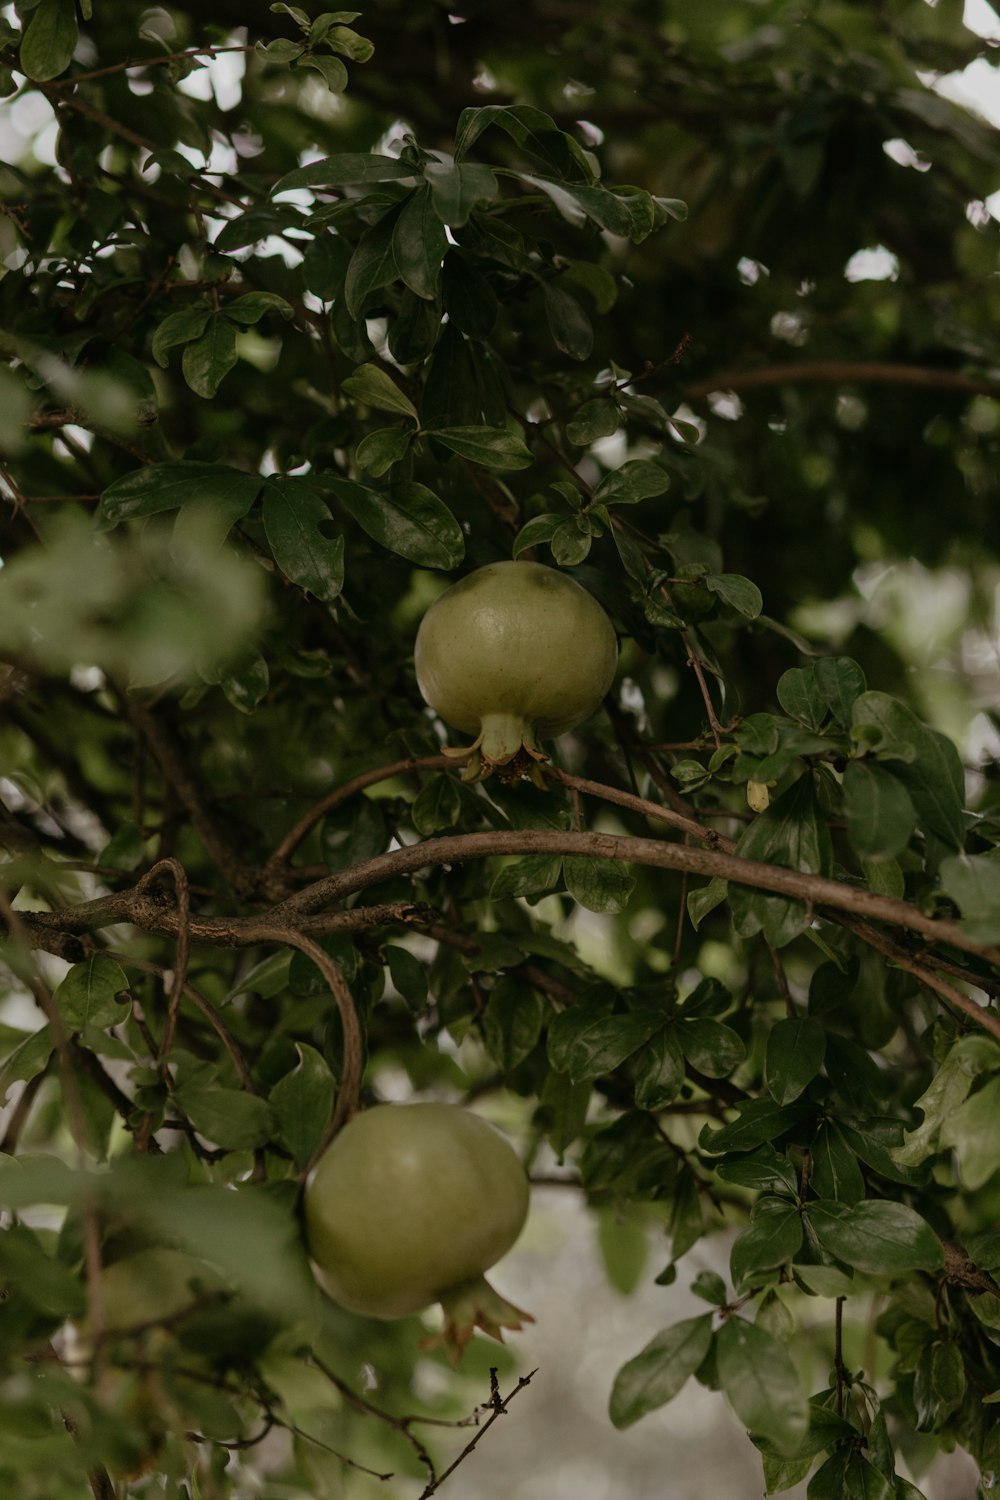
x: 514, y: 653
x: 409, y: 1205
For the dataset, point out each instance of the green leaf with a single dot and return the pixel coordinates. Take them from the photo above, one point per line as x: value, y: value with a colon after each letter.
x: 879, y: 1237
x: 348, y: 169
x: 924, y: 761
x: 763, y: 1170
x: 658, y: 1069
x: 576, y: 203
x: 410, y: 520
x: 373, y: 264
x: 88, y: 994
x: 973, y: 883
x: 419, y: 245
x: 599, y: 884
x: 637, y: 479
x: 571, y: 329
x: 408, y: 974
x: 253, y: 306
x: 380, y: 451
x: 229, y: 493
x: 353, y: 833
x: 972, y: 1132
x: 848, y: 1475
x: 833, y: 1167
x: 49, y: 41
x: 771, y: 1240
x: 207, y: 360
x: 656, y: 1374
x: 179, y: 328
x: 709, y: 1046
x: 571, y: 542
x: 373, y: 386
x: 792, y: 832
x: 593, y: 420
x: 705, y: 898
x: 469, y: 300
x: 969, y: 1057
x: 438, y: 805
x: 795, y: 1052
x: 28, y: 1059
x: 585, y: 1040
x: 294, y: 516
x: 512, y: 1022
x: 879, y: 811
x: 840, y: 681
x: 126, y: 849
x: 459, y: 187
x: 532, y: 875
x: 761, y: 1383
x: 539, y: 529
x: 230, y: 1118
x: 490, y: 447
x: 759, y: 1120
x: 799, y: 695
x: 710, y: 1286
x: 334, y: 73
x: 739, y: 593
x: 302, y: 1102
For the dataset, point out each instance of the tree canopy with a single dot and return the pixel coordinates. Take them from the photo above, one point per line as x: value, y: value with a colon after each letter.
x: 305, y: 317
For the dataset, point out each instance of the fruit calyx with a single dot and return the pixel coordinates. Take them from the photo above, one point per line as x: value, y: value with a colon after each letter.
x: 470, y: 1305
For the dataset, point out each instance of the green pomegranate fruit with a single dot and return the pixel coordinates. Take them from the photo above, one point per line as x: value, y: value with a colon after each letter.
x: 408, y: 1206
x: 514, y: 653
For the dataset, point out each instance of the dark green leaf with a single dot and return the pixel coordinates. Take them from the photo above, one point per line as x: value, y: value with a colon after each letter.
x: 49, y: 41
x: 458, y: 187
x: 599, y: 884
x: 795, y: 1052
x: 759, y: 1120
x: 539, y: 529
x: 408, y: 974
x: 738, y: 593
x: 637, y: 479
x: 179, y: 328
x: 882, y: 1238
x: 333, y: 71
x: 710, y: 1286
x: 146, y: 492
x: 924, y: 761
x: 840, y: 681
x: 658, y: 1069
x: 253, y: 306
x: 655, y: 1375
x: 246, y: 681
x: 469, y: 300
x: 711, y: 1047
x: 88, y: 995
x: 833, y: 1167
x: 207, y: 360
x: 491, y: 448
x: 380, y: 451
x: 511, y: 1022
x: 373, y: 386
x: 532, y: 875
x: 571, y: 329
x: 585, y: 1040
x: 228, y: 1117
x: 349, y: 169
x: 792, y: 832
x: 353, y: 833
x: 419, y: 244
x: 973, y: 883
x: 763, y: 1170
x: 761, y: 1383
x: 302, y: 1102
x: 571, y: 541
x: 595, y: 419
x: 28, y: 1059
x: 799, y: 695
x: 879, y: 811
x: 771, y: 1240
x: 410, y: 521
x: 438, y: 805
x: 832, y: 986
x: 972, y: 1132
x: 294, y: 516
x: 373, y: 264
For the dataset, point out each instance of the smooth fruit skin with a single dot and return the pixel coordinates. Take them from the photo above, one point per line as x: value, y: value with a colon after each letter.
x: 409, y: 1202
x: 515, y: 652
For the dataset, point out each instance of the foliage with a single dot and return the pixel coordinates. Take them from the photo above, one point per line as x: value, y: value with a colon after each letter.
x: 288, y: 349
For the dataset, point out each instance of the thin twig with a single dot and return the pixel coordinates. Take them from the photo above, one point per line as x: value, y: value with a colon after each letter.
x: 499, y: 1410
